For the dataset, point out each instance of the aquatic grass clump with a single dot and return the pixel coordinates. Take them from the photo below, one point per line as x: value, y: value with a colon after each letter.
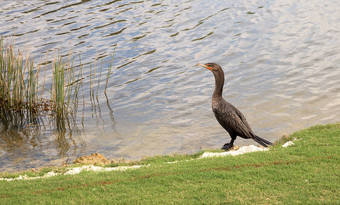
x: 18, y: 87
x: 17, y: 79
x: 23, y: 99
x: 65, y: 85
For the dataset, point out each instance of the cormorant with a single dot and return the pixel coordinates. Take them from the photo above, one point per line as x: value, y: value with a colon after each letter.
x: 230, y: 118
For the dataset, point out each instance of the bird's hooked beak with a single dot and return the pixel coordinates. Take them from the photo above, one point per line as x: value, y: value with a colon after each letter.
x: 203, y: 65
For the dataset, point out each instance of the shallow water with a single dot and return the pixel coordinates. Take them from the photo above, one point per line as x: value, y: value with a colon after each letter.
x: 280, y: 59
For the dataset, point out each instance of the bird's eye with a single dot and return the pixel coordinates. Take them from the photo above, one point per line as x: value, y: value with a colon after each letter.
x: 209, y: 65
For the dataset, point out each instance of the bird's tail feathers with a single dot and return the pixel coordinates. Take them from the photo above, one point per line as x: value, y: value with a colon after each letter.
x: 262, y: 141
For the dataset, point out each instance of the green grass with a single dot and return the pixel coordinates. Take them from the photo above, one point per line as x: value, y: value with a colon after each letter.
x: 304, y: 173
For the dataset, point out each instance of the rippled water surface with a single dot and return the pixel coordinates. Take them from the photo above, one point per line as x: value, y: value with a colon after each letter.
x: 281, y: 60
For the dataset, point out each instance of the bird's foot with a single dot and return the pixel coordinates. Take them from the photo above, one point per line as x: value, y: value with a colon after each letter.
x: 227, y: 146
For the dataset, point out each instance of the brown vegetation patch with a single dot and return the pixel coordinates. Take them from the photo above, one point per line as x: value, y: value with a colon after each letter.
x: 95, y: 158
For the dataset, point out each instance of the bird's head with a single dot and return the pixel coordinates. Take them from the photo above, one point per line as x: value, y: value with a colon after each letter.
x: 211, y: 66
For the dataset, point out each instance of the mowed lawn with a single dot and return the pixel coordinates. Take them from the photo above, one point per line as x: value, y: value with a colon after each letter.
x: 304, y: 173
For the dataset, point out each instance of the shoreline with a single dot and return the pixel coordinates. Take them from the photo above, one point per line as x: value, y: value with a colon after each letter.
x: 98, y: 163
x: 291, y: 173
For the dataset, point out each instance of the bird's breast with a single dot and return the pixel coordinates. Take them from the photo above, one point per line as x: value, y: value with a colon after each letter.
x: 216, y: 102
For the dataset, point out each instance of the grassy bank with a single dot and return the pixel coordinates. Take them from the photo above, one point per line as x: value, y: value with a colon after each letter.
x: 304, y: 173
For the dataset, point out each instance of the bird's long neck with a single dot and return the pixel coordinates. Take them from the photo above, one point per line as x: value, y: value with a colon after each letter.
x: 219, y: 82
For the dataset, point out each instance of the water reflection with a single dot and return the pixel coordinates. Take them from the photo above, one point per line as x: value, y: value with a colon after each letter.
x: 26, y: 136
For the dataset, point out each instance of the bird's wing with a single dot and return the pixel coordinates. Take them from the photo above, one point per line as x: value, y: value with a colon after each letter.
x: 243, y: 119
x: 231, y: 118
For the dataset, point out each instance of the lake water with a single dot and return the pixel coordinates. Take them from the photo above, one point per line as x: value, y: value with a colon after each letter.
x: 281, y: 60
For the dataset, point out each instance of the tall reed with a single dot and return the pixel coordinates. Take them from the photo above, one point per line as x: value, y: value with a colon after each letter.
x: 18, y: 79
x: 19, y: 87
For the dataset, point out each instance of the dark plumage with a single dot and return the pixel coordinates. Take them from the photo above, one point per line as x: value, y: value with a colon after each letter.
x: 230, y: 118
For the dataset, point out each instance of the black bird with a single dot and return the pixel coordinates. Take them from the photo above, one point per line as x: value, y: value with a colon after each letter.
x: 230, y: 118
